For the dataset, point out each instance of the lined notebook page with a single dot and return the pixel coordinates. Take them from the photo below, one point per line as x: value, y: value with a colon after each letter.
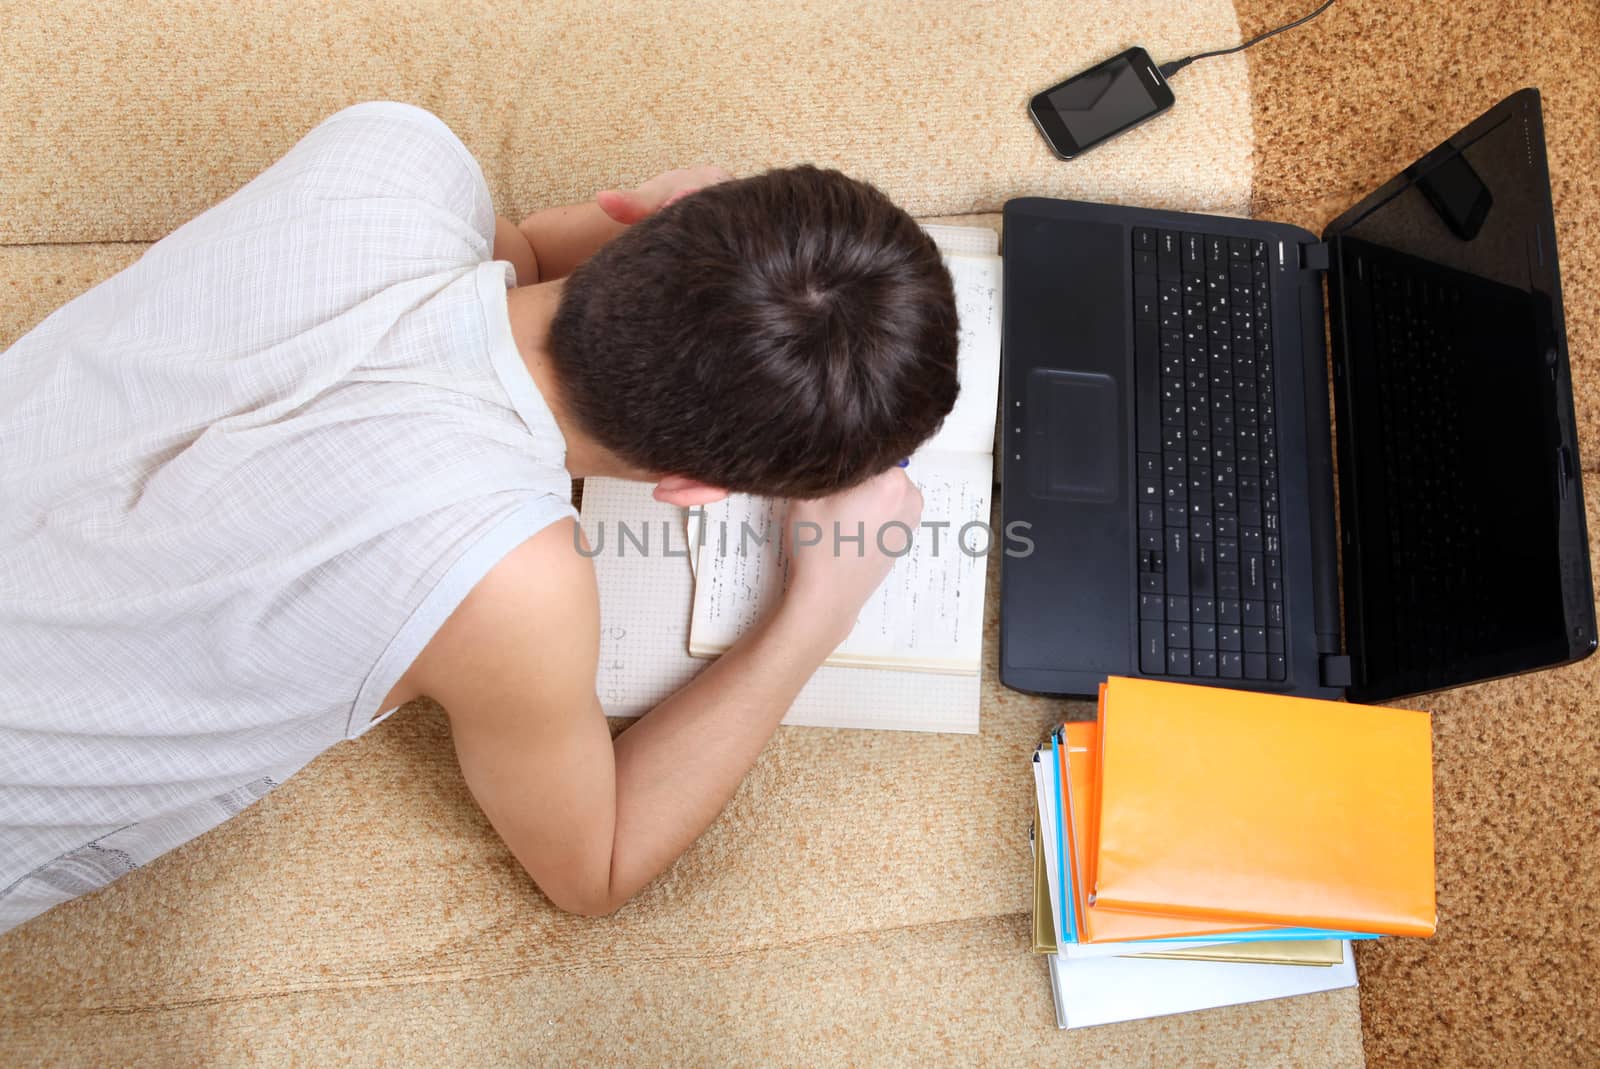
x: 926, y: 616
x: 644, y: 635
x: 969, y: 428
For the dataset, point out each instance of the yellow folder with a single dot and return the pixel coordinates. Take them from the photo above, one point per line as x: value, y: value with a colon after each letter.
x: 1225, y: 804
x: 1044, y: 928
x: 1312, y: 952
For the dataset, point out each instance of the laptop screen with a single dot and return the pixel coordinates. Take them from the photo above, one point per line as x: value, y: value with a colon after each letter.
x: 1454, y: 422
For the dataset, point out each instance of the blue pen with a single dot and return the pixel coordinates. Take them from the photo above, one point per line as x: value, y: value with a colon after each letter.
x: 905, y: 463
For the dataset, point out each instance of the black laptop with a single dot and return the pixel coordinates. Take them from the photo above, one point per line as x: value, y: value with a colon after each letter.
x: 1166, y: 437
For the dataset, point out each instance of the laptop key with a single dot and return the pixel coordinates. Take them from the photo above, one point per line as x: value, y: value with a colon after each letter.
x: 1149, y: 489
x: 1151, y: 583
x: 1275, y: 640
x: 1152, y: 607
x: 1255, y: 640
x: 1178, y: 607
x: 1203, y: 636
x: 1177, y: 634
x: 1178, y: 662
x: 1144, y: 239
x: 1251, y: 570
x: 1277, y: 667
x: 1228, y: 580
x: 1230, y: 638
x: 1255, y: 666
x: 1202, y: 582
x: 1230, y: 665
x: 1177, y: 576
x: 1169, y: 253
x: 1204, y: 663
x: 1152, y: 648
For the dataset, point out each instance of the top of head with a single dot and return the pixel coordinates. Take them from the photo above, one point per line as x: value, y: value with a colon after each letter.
x: 788, y: 334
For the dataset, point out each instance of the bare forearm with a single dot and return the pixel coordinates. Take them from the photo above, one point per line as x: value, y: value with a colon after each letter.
x: 680, y: 764
x: 562, y: 238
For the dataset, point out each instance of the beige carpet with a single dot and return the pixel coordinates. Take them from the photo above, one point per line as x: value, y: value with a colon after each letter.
x: 1512, y: 977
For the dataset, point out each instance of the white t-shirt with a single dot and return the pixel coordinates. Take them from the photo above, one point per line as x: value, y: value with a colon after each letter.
x: 242, y: 484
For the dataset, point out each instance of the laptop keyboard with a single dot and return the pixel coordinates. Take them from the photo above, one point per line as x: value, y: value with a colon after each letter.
x: 1210, y: 546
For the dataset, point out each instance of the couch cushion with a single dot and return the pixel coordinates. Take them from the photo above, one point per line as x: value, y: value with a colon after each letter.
x: 951, y: 994
x: 126, y: 118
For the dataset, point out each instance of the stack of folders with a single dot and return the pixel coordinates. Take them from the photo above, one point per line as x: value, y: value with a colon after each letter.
x: 1200, y: 847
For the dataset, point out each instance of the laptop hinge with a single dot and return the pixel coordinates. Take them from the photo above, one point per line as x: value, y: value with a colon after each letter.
x: 1334, y: 668
x: 1314, y: 257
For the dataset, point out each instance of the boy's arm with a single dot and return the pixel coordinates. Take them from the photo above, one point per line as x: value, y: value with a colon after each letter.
x: 592, y: 820
x: 562, y: 238
x: 511, y: 245
x: 554, y: 241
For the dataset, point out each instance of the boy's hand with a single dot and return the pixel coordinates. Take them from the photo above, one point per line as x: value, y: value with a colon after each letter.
x: 829, y: 581
x: 629, y: 206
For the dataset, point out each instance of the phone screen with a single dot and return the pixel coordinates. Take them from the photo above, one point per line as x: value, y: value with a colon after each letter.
x: 1101, y: 101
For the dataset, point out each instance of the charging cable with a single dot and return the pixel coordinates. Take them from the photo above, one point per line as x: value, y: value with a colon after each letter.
x: 1169, y: 69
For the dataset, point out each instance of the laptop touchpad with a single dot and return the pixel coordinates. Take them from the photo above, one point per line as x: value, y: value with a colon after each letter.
x: 1074, y: 444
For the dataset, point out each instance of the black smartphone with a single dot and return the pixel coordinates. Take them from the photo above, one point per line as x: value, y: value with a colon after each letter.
x: 1100, y: 103
x: 1456, y: 192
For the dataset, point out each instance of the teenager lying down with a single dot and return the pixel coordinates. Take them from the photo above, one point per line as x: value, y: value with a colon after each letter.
x: 311, y: 456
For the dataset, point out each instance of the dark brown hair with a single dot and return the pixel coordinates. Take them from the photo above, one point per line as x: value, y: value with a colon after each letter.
x: 789, y: 334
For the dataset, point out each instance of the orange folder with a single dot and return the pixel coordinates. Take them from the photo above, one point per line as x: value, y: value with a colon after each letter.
x: 1079, y: 753
x: 1233, y: 805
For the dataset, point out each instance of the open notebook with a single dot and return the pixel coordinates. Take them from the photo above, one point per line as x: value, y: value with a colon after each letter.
x: 928, y: 614
x: 646, y: 600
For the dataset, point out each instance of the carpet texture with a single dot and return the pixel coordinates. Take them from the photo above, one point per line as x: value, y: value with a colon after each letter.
x: 1340, y: 107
